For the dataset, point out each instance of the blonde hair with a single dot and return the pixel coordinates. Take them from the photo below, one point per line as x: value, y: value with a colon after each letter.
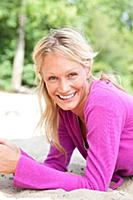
x: 70, y: 43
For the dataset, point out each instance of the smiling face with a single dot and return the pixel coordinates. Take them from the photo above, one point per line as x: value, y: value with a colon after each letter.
x: 66, y: 82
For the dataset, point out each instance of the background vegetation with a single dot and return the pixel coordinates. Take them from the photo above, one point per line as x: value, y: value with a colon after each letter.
x: 108, y: 26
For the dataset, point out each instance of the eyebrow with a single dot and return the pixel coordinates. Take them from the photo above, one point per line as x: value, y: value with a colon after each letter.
x: 66, y: 72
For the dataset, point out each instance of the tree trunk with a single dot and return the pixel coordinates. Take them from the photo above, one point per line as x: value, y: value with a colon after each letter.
x: 19, y: 54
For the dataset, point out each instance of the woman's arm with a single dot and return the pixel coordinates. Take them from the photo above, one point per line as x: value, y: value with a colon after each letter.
x: 103, y: 138
x: 56, y: 159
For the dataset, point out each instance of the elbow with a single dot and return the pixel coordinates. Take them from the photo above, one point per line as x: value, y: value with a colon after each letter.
x: 95, y: 185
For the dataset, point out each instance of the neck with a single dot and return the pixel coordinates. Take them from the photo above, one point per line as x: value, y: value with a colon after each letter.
x: 79, y: 111
x: 81, y: 117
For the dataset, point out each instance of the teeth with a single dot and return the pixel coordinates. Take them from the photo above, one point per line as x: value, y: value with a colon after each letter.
x: 67, y: 97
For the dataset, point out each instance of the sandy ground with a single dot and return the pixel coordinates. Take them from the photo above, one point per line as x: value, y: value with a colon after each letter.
x: 19, y: 114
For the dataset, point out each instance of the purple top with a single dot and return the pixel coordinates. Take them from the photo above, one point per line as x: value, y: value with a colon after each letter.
x: 108, y: 114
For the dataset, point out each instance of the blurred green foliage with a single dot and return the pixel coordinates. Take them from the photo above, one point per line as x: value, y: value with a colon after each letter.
x: 108, y: 26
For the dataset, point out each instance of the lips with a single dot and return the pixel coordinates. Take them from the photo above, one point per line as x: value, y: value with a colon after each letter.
x: 67, y: 97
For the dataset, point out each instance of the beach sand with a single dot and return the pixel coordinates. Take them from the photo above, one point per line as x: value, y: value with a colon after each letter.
x: 19, y: 114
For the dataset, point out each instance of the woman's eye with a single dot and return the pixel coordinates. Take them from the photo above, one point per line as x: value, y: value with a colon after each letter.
x: 74, y: 74
x: 52, y: 78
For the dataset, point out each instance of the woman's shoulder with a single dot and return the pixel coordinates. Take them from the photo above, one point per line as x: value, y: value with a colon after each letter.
x: 102, y: 89
x: 103, y: 93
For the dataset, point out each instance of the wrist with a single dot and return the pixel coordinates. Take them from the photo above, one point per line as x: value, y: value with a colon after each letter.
x: 16, y: 160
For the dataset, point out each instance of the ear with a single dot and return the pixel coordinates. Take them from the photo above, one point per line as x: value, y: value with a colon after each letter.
x: 88, y: 72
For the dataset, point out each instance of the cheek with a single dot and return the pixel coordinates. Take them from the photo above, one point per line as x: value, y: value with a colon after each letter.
x: 81, y: 84
x: 51, y: 89
x: 82, y: 87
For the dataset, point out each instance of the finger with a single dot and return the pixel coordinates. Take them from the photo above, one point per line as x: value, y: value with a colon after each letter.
x: 9, y: 144
x: 3, y: 141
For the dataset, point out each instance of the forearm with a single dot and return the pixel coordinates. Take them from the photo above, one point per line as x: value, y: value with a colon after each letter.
x: 33, y: 175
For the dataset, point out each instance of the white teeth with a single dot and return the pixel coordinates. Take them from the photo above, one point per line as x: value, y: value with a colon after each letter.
x: 67, y: 97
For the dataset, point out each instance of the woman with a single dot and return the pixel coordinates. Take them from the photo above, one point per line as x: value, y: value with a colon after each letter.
x: 94, y: 116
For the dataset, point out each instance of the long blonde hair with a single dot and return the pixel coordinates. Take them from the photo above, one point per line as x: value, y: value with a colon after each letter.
x: 72, y: 44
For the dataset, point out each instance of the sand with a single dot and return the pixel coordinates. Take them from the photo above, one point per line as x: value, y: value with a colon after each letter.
x: 18, y: 116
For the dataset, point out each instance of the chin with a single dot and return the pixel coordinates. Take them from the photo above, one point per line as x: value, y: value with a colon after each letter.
x: 67, y: 107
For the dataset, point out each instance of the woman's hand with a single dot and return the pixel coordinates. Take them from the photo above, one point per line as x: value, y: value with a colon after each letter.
x: 9, y: 156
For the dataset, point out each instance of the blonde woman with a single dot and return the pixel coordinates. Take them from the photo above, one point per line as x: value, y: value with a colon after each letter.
x: 94, y: 116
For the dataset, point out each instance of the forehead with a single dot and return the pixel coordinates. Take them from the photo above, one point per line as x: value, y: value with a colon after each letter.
x: 56, y: 63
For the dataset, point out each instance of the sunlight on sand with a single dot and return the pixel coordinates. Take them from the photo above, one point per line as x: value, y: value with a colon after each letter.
x: 19, y: 114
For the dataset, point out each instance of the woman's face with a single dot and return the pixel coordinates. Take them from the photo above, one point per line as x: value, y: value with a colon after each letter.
x: 66, y: 82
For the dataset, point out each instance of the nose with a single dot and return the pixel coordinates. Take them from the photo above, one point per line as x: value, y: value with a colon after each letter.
x: 64, y: 86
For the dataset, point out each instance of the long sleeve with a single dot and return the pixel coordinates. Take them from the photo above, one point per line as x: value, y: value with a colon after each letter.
x: 102, y: 154
x: 105, y: 127
x: 55, y: 159
x: 104, y: 121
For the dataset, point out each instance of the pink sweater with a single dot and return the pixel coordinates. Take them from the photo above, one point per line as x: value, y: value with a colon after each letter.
x: 108, y: 114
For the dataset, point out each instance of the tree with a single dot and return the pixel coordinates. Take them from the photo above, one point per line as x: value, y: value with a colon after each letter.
x: 107, y: 25
x: 19, y: 54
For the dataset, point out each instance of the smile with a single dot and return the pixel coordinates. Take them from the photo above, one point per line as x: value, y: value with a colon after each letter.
x: 67, y: 97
